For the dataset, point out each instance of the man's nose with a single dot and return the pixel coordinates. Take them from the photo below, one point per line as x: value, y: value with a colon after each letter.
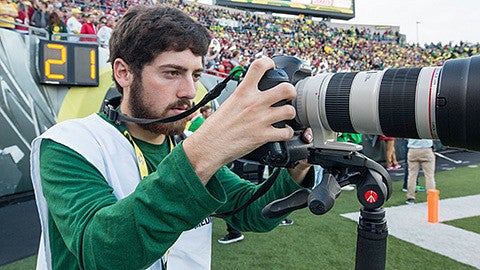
x: 188, y: 88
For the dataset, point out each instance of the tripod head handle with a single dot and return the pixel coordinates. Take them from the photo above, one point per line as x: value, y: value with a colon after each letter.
x: 322, y: 198
x: 374, y: 185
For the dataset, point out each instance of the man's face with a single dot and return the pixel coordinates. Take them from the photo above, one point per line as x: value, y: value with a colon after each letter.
x: 166, y: 88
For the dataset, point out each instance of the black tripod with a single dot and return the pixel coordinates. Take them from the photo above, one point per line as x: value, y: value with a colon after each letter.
x: 373, y: 190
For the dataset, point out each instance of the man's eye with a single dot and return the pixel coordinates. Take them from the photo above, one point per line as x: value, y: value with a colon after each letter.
x: 197, y: 76
x: 172, y: 73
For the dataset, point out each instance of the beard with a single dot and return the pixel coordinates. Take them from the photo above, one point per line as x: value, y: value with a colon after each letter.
x: 140, y: 109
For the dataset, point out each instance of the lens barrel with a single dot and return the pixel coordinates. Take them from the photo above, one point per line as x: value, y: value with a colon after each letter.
x: 431, y: 102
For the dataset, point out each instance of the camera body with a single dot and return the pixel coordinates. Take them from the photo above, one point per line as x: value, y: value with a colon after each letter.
x: 423, y: 102
x: 283, y: 154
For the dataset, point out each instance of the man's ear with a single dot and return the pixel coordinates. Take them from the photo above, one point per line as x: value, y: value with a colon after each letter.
x: 122, y: 74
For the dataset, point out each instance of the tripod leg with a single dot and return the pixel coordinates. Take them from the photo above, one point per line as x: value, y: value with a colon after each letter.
x: 371, y: 240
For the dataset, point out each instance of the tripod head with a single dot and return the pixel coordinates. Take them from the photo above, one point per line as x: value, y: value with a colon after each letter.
x: 341, y: 167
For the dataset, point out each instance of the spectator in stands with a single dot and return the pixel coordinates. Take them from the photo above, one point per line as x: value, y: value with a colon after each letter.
x: 327, y: 47
x: 8, y: 12
x: 40, y: 15
x: 56, y: 26
x: 227, y: 63
x: 105, y: 31
x: 23, y: 18
x: 63, y: 15
x: 74, y: 26
x: 132, y: 211
x: 235, y: 59
x: 88, y: 27
x: 29, y: 8
x: 211, y: 57
x: 242, y: 66
x: 102, y: 20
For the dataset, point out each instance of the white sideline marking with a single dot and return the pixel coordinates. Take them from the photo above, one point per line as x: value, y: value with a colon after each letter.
x: 409, y: 223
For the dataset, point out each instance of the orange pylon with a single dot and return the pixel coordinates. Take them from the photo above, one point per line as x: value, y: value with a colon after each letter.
x: 432, y: 202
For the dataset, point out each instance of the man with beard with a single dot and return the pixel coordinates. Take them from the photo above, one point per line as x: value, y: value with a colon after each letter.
x: 121, y: 195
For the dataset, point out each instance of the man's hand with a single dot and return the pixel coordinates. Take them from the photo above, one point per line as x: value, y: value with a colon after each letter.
x: 242, y: 123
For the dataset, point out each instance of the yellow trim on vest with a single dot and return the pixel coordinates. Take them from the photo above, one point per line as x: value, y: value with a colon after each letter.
x: 142, y: 163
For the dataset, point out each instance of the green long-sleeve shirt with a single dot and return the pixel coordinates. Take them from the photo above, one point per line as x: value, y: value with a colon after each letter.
x: 89, y: 228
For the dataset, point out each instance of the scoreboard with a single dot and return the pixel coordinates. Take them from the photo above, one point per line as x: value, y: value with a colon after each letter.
x: 68, y: 63
x: 335, y: 9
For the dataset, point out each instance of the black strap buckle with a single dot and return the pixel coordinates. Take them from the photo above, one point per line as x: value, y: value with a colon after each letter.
x: 110, y: 111
x: 112, y: 114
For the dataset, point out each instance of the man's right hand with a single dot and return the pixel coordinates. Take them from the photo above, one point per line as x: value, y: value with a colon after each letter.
x: 241, y: 124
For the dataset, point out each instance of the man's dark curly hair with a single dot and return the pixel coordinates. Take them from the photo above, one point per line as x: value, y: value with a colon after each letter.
x: 146, y: 31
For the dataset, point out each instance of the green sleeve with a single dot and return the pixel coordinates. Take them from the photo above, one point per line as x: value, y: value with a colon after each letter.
x: 100, y: 231
x: 239, y: 191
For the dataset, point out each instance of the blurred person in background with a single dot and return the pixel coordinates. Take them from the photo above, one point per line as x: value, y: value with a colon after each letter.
x: 23, y: 18
x: 88, y: 27
x: 420, y: 155
x: 390, y: 155
x: 74, y: 26
x: 40, y: 15
x: 55, y: 26
x: 105, y: 32
x: 198, y: 119
x: 8, y: 12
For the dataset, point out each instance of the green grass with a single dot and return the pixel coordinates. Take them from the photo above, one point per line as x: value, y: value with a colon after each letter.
x: 470, y: 224
x: 328, y: 241
x: 25, y: 264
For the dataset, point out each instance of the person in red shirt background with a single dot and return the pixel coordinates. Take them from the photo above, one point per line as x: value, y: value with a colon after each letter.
x: 25, y: 12
x: 390, y: 155
x: 88, y: 27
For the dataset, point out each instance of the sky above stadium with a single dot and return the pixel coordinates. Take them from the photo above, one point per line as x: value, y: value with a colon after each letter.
x: 438, y: 20
x: 422, y: 21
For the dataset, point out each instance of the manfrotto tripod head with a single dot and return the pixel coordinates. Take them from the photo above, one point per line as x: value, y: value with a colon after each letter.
x: 341, y: 168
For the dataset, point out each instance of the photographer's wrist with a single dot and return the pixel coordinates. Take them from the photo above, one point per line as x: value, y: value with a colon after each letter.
x: 301, y: 174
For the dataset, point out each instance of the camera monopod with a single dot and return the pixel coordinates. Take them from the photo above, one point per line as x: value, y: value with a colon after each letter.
x: 343, y: 167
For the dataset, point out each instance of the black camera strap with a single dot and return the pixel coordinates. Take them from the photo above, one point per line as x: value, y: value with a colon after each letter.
x: 117, y: 117
x: 258, y: 193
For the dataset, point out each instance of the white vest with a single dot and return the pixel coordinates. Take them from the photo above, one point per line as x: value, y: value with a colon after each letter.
x: 192, y: 250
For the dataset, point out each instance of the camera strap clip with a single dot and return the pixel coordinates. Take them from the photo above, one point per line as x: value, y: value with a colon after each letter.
x: 110, y: 112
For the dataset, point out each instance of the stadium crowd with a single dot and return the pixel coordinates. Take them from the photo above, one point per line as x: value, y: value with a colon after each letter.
x: 240, y: 37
